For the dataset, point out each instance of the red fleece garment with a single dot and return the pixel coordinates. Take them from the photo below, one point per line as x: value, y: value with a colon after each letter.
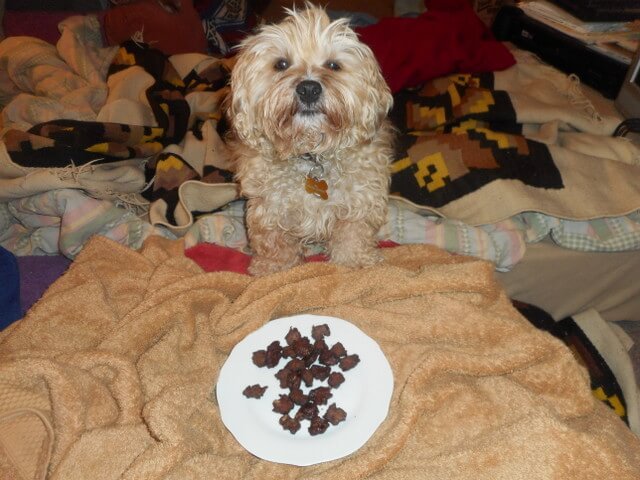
x: 214, y: 258
x: 170, y: 32
x: 448, y: 38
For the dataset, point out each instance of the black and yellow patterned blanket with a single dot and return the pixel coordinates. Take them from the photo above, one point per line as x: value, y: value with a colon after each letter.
x: 464, y: 151
x: 459, y: 134
x: 73, y: 144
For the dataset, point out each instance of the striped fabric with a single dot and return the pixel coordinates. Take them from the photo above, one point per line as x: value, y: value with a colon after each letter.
x: 61, y: 221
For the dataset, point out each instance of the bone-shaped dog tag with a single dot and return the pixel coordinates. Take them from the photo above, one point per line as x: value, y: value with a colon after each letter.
x: 317, y: 187
x: 314, y: 182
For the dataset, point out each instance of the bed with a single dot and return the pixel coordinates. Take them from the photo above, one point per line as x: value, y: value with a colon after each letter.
x: 116, y: 168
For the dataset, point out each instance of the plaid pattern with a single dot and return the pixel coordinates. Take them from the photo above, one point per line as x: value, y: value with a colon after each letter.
x: 600, y: 235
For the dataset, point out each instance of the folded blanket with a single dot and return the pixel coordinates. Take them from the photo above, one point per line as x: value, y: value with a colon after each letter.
x: 121, y: 355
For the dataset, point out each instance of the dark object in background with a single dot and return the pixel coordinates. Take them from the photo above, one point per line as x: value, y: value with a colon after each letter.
x: 57, y: 5
x: 604, y: 384
x: 566, y: 53
x: 10, y: 310
x: 602, y: 10
x: 225, y: 22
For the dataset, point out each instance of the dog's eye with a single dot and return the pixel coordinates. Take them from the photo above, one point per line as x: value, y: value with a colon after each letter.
x: 331, y: 65
x: 282, y: 64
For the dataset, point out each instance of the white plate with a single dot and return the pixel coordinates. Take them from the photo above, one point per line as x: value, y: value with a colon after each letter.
x: 364, y: 395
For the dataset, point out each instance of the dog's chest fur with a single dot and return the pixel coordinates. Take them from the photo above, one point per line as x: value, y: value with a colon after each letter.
x: 280, y: 195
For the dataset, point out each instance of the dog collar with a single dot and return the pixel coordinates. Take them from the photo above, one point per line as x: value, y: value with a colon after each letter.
x: 314, y: 182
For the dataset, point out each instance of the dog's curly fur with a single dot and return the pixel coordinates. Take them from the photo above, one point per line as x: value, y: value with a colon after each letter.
x: 275, y: 131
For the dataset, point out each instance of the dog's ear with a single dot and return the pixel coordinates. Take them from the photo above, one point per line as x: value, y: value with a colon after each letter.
x: 225, y: 107
x: 236, y: 104
x: 365, y: 83
x: 374, y: 90
x: 385, y: 99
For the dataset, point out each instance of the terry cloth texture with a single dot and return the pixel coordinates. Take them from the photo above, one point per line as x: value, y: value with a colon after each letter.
x: 129, y: 345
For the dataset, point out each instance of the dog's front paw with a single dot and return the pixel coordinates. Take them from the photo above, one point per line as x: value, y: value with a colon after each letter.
x: 366, y: 257
x: 353, y: 244
x: 261, y: 266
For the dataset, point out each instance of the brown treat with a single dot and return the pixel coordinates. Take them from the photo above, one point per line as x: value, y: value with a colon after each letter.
x: 301, y: 366
x: 338, y: 350
x: 318, y: 332
x: 320, y: 395
x: 307, y: 377
x: 350, y: 361
x: 295, y: 365
x: 283, y: 375
x: 274, y: 353
x: 291, y: 424
x: 254, y: 391
x: 320, y: 346
x: 320, y: 372
x: 259, y: 358
x: 294, y: 381
x: 298, y: 397
x: 302, y: 347
x: 288, y: 352
x: 292, y: 336
x: 328, y: 358
x: 334, y: 415
x: 335, y: 379
x: 283, y: 404
x: 307, y: 411
x: 311, y: 358
x: 318, y: 425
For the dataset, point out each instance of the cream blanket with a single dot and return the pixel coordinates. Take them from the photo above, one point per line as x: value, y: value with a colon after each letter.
x: 115, y: 367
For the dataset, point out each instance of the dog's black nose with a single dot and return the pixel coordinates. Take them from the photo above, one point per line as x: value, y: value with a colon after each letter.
x: 309, y: 91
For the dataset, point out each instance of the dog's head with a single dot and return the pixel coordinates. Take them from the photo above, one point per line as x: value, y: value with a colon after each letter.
x: 306, y: 85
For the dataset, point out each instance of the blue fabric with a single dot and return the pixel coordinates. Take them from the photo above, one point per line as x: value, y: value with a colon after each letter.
x: 9, y: 289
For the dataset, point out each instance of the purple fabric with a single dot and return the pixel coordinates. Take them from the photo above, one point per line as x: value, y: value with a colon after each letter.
x: 36, y: 274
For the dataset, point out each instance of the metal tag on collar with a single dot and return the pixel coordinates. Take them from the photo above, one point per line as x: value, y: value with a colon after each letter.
x: 314, y: 181
x: 317, y: 171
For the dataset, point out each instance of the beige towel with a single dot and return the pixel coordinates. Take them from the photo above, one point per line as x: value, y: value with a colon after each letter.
x: 125, y: 349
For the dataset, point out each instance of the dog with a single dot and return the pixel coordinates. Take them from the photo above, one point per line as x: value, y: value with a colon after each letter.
x: 311, y: 141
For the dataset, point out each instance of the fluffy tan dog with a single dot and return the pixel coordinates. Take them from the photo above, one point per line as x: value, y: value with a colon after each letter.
x: 308, y: 110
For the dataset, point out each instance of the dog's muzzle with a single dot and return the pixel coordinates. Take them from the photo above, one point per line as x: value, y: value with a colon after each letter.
x: 309, y: 92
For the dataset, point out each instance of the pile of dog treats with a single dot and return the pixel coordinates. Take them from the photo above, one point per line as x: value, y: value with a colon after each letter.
x: 307, y: 363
